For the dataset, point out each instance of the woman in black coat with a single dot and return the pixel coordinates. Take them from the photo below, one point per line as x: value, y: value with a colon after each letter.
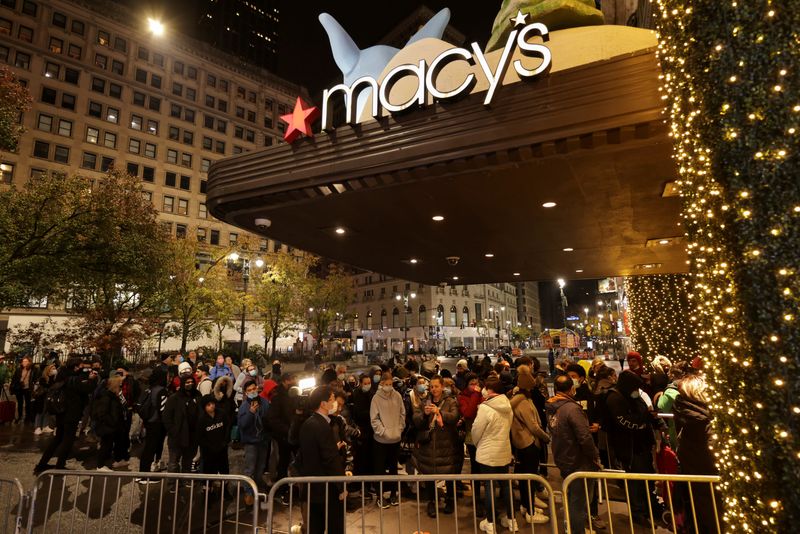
x: 108, y: 416
x: 693, y: 425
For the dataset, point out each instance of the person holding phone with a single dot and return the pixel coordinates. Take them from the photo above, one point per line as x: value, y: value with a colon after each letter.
x: 254, y: 436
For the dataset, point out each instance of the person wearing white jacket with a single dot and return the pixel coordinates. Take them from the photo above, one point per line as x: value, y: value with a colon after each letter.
x: 387, y: 414
x: 490, y: 433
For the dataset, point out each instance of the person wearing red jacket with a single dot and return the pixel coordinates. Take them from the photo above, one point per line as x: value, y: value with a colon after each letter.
x: 468, y: 400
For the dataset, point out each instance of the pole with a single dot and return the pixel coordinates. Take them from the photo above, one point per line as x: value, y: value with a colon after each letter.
x: 245, y: 278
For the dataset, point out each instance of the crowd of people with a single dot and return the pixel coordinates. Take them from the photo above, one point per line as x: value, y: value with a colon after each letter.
x: 497, y: 412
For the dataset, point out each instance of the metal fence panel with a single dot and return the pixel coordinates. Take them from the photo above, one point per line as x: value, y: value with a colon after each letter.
x: 360, y: 514
x: 109, y: 502
x: 677, y: 503
x: 12, y: 506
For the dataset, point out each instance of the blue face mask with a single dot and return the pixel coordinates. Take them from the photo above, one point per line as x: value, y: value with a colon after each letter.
x: 365, y: 388
x: 252, y: 395
x: 376, y: 378
x: 422, y: 388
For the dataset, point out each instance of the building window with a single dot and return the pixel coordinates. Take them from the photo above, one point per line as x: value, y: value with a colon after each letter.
x: 208, y: 143
x: 175, y: 111
x: 45, y: 122
x: 59, y: 20
x: 191, y: 94
x: 208, y: 121
x: 177, y: 67
x: 115, y: 90
x: 117, y: 67
x: 106, y: 163
x: 177, y: 90
x: 240, y: 112
x: 134, y: 146
x: 65, y: 128
x: 101, y: 61
x: 5, y: 26
x: 112, y: 115
x: 61, y: 154
x: 41, y: 149
x: 180, y: 231
x: 223, y: 86
x: 233, y: 239
x: 72, y: 75
x: 98, y: 85
x: 202, y: 211
x: 74, y: 51
x: 169, y: 179
x: 141, y: 76
x: 222, y: 126
x: 29, y: 8
x: 150, y: 150
x: 203, y: 186
x: 136, y: 122
x: 89, y: 161
x: 23, y: 60
x: 211, y: 80
x: 172, y: 156
x: 155, y: 81
x: 110, y: 140
x: 68, y: 101
x: 201, y: 235
x: 138, y: 98
x: 4, y: 53
x: 103, y: 38
x: 186, y: 159
x: 6, y: 173
x: 210, y: 101
x: 173, y: 133
x: 191, y: 73
x: 251, y: 116
x: 186, y: 182
x: 238, y: 132
x: 250, y: 135
x: 158, y: 59
x: 183, y: 206
x: 152, y: 127
x: 48, y: 95
x: 52, y: 70
x: 120, y: 44
x: 220, y: 147
x: 143, y: 53
x: 168, y: 205
x: 25, y: 34
x: 92, y: 135
x: 204, y: 165
x: 78, y: 27
x: 56, y: 45
x: 133, y: 169
x: 95, y: 109
x: 188, y: 137
x: 155, y: 104
x: 215, y: 237
x: 222, y: 105
x: 188, y: 115
x: 148, y: 174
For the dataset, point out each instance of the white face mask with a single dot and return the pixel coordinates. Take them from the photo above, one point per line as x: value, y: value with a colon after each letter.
x: 387, y: 389
x: 576, y: 383
x: 635, y: 394
x: 333, y: 407
x: 484, y: 393
x: 340, y: 376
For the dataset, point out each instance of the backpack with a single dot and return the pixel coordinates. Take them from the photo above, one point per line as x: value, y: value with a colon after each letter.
x: 55, y: 400
x: 148, y: 407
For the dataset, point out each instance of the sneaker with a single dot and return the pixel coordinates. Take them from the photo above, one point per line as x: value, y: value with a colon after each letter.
x: 48, y: 430
x: 37, y: 432
x: 104, y: 468
x: 537, y: 518
x: 393, y: 500
x: 284, y: 499
x: 598, y: 523
x: 382, y: 502
x: 510, y: 524
x: 120, y: 463
x: 486, y: 526
x: 539, y: 503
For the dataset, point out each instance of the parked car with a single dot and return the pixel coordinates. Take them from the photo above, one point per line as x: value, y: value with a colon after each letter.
x: 457, y: 352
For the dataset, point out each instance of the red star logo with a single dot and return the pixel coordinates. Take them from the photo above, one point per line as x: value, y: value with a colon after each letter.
x: 299, y: 121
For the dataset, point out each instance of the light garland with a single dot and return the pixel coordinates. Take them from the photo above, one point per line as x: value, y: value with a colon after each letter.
x: 731, y: 86
x: 660, y: 316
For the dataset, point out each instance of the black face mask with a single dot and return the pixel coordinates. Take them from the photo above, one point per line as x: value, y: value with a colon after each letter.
x: 188, y: 387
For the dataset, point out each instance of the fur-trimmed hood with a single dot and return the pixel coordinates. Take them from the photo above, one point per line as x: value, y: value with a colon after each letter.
x: 223, y: 387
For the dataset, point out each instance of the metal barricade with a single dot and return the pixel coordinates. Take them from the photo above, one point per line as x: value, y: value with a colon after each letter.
x: 333, y: 503
x: 153, y: 503
x: 673, y: 502
x: 12, y: 506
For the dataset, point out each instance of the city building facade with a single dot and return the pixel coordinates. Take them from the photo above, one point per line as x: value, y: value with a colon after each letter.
x: 528, y: 307
x: 107, y: 93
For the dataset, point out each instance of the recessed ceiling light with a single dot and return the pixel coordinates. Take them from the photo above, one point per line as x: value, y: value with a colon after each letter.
x: 340, y: 230
x: 455, y: 278
x: 549, y: 205
x: 489, y: 255
x: 578, y: 270
x: 516, y: 274
x: 664, y: 242
x: 568, y: 249
x: 413, y: 260
x: 437, y: 218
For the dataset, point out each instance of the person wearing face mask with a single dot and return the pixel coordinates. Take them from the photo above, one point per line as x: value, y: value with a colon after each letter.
x: 631, y: 437
x: 250, y: 373
x: 572, y: 445
x: 468, y: 400
x: 204, y: 382
x: 319, y: 456
x: 279, y: 421
x: 360, y: 403
x: 42, y: 422
x: 220, y: 368
x: 387, y: 417
x: 253, y: 433
x: 179, y: 417
x: 659, y: 378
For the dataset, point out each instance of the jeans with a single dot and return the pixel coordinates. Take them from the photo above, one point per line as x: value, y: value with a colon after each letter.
x: 215, y: 462
x: 492, y: 486
x: 577, y: 505
x: 104, y: 452
x: 528, y: 464
x: 255, y: 460
x: 61, y: 444
x: 153, y: 445
x: 24, y: 398
x: 474, y: 469
x: 385, y: 459
x: 43, y: 419
x: 180, y: 458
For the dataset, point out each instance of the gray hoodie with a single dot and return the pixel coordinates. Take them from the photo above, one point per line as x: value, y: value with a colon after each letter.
x: 572, y: 443
x: 387, y: 415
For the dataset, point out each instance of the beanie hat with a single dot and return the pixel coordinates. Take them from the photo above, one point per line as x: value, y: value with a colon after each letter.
x: 207, y: 399
x: 184, y: 367
x: 462, y: 363
x: 525, y: 378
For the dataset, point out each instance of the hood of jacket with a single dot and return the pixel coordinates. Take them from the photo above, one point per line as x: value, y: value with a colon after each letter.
x: 384, y: 394
x: 556, y: 402
x: 628, y: 382
x: 223, y: 387
x: 183, y: 380
x: 501, y: 404
x: 691, y: 410
x: 517, y: 399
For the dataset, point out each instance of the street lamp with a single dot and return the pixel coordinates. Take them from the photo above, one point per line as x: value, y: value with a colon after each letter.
x: 405, y: 297
x: 155, y: 26
x: 234, y: 258
x: 561, y: 284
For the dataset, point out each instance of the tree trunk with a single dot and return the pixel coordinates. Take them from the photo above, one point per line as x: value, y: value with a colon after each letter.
x: 184, y: 337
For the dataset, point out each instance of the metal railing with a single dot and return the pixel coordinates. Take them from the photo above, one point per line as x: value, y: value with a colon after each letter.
x: 12, y: 506
x: 153, y: 503
x: 336, y: 509
x: 672, y: 504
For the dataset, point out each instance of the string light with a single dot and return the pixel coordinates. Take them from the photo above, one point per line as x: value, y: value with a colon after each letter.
x: 729, y: 68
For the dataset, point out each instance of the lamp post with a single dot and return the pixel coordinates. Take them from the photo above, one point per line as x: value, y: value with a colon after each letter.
x: 561, y: 284
x: 234, y: 258
x: 405, y: 297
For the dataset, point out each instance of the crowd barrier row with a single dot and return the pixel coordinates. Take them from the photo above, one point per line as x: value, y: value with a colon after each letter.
x: 106, y: 502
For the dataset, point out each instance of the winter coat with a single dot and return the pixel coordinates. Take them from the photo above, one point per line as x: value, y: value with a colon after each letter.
x: 630, y: 430
x: 218, y: 371
x: 223, y: 397
x: 319, y: 456
x: 437, y: 456
x: 77, y: 388
x: 526, y: 428
x: 180, y: 416
x: 468, y: 402
x: 281, y: 413
x: 253, y: 426
x: 108, y: 415
x: 693, y: 423
x: 212, y: 432
x: 387, y: 416
x: 584, y: 397
x: 16, y: 386
x: 666, y: 404
x: 490, y: 432
x: 572, y: 443
x: 205, y: 386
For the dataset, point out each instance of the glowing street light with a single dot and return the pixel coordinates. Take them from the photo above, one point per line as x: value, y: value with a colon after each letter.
x: 156, y: 27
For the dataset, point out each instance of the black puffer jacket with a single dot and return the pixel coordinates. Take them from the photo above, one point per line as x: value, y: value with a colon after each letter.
x: 437, y: 456
x: 108, y: 415
x: 631, y: 424
x: 693, y: 424
x: 180, y: 416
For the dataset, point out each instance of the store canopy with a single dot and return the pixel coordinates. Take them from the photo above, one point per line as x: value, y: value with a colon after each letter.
x: 589, y: 136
